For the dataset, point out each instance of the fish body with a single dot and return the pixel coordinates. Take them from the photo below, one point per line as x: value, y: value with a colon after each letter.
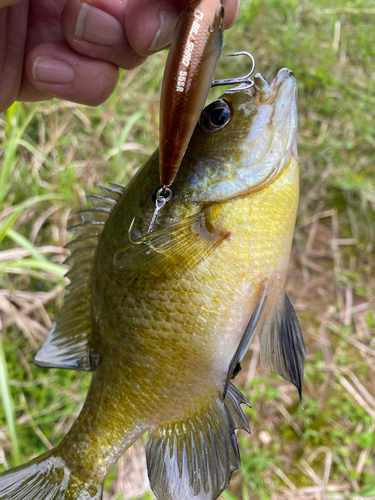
x: 162, y: 319
x: 188, y: 76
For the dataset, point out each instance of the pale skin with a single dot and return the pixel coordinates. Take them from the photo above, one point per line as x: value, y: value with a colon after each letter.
x: 58, y: 48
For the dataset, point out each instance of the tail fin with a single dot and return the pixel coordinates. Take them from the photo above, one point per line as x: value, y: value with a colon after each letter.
x: 46, y: 478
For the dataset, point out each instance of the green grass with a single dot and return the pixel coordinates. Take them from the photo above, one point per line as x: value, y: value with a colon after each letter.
x: 8, y: 406
x: 54, y: 153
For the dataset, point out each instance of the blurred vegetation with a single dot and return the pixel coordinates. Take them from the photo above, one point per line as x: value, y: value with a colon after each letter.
x: 52, y: 154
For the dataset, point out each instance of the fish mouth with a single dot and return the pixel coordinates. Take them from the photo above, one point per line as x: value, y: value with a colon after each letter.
x: 268, y: 92
x: 282, y: 95
x: 286, y: 110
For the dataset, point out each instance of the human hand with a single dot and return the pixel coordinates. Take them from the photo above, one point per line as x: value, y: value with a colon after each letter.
x: 73, y: 49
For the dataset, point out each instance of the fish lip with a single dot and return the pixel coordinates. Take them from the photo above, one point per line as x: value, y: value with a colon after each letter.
x: 284, y: 76
x: 287, y: 77
x: 284, y: 102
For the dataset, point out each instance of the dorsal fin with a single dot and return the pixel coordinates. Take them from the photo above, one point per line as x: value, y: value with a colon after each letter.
x: 70, y: 343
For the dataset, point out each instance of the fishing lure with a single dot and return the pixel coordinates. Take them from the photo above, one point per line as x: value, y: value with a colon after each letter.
x: 188, y: 76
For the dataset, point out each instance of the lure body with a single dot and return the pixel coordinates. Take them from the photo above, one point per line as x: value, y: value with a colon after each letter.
x: 188, y: 75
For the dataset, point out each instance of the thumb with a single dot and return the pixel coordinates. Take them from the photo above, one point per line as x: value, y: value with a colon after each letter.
x: 12, y: 47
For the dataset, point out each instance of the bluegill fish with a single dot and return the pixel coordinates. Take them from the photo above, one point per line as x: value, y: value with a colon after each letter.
x: 163, y: 319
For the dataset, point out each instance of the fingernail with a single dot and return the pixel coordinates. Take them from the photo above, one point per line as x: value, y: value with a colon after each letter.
x: 96, y: 26
x: 164, y: 35
x: 50, y: 70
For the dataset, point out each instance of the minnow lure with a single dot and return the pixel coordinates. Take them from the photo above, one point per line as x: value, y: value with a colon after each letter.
x: 188, y: 76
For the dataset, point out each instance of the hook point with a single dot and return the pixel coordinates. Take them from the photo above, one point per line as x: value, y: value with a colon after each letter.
x: 244, y: 79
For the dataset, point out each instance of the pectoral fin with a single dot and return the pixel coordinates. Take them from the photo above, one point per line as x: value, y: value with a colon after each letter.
x: 167, y: 253
x: 246, y: 337
x: 282, y: 348
x: 195, y: 457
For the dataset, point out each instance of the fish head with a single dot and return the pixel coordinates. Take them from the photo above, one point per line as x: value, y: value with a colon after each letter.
x: 244, y: 140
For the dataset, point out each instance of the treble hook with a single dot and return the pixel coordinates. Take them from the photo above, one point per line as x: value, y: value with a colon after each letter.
x: 162, y: 197
x: 242, y: 79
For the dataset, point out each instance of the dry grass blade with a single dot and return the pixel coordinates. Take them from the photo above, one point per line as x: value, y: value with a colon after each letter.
x: 361, y: 401
x: 132, y: 478
x: 345, y: 10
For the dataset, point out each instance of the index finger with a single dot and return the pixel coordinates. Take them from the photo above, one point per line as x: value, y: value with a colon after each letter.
x: 149, y: 25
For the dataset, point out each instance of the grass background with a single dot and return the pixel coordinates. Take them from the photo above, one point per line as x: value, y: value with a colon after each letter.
x: 54, y: 153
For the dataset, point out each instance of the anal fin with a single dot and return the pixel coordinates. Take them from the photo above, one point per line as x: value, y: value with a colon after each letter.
x: 195, y: 457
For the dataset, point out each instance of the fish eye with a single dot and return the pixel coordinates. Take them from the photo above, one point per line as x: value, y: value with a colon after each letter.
x: 215, y: 116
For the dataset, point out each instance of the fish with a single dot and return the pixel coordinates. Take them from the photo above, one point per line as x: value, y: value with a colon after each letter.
x: 188, y: 75
x: 163, y: 319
